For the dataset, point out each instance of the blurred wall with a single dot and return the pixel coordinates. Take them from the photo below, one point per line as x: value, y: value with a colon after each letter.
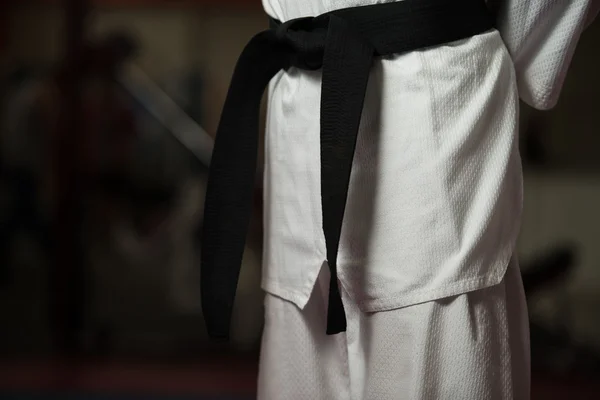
x: 573, y: 128
x: 562, y: 197
x: 137, y: 295
x: 172, y: 40
x: 561, y: 201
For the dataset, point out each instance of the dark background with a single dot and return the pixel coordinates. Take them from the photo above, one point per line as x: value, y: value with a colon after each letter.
x: 100, y: 206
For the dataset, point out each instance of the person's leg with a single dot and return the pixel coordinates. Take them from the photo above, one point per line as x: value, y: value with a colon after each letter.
x: 470, y: 347
x: 298, y: 360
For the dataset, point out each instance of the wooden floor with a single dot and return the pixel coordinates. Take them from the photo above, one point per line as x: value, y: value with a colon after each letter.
x: 225, y: 376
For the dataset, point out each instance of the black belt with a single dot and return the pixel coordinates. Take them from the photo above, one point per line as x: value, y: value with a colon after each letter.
x: 343, y: 43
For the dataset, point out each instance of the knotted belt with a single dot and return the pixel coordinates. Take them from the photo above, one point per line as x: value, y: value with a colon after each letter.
x: 342, y: 43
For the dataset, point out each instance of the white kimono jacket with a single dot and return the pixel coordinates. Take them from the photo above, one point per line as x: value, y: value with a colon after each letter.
x: 435, y: 194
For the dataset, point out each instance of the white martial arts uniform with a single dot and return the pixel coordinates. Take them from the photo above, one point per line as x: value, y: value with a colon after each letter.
x: 468, y: 347
x: 431, y: 221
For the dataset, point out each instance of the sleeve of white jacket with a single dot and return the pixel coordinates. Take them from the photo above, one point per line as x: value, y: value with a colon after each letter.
x: 541, y: 36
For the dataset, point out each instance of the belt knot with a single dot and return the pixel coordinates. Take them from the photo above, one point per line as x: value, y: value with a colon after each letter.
x: 305, y: 38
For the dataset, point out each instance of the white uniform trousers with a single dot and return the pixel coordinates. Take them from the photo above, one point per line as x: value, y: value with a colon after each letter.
x: 474, y: 346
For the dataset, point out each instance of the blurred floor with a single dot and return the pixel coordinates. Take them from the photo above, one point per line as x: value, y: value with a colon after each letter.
x: 222, y: 378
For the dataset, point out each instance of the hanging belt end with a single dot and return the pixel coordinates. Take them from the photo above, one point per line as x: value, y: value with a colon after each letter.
x: 217, y: 333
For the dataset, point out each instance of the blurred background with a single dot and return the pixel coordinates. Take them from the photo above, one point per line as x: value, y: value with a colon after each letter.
x: 107, y: 113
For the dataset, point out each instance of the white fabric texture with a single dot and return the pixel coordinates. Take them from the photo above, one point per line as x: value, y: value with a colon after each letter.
x: 472, y: 346
x: 435, y: 195
x: 541, y: 36
x: 435, y: 192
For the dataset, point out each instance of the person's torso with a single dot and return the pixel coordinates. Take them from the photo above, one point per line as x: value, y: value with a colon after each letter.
x: 435, y: 195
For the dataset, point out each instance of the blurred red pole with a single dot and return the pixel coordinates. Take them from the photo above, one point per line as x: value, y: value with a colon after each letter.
x: 67, y: 272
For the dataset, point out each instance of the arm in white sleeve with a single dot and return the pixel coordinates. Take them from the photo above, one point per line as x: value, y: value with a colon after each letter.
x: 541, y: 36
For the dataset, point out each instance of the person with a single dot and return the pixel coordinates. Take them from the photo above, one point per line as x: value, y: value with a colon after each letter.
x: 391, y: 219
